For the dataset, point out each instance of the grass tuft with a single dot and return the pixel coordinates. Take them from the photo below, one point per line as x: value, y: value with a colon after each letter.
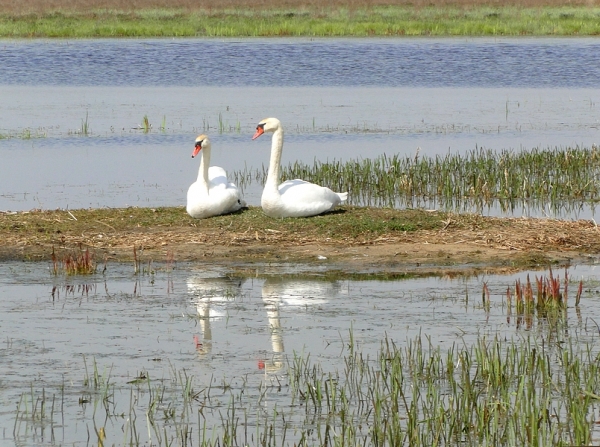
x: 79, y: 262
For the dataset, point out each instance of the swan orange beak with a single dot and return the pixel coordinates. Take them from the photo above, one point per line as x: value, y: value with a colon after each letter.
x: 196, y: 150
x: 259, y: 132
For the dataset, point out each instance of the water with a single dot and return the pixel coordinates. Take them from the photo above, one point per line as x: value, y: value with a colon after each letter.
x: 78, y: 344
x: 213, y: 327
x: 411, y: 63
x: 337, y: 98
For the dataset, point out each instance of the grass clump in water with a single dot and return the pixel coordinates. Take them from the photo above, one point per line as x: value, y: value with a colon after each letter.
x: 539, y: 178
x: 495, y: 392
x: 79, y: 262
x: 524, y: 391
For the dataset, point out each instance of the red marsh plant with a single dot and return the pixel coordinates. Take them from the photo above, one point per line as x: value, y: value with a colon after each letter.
x: 545, y: 294
x: 79, y: 262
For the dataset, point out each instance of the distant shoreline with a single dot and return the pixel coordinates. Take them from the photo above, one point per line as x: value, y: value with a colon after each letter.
x: 277, y: 21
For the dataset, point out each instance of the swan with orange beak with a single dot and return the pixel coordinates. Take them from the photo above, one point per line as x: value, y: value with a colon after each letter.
x: 211, y: 194
x: 292, y: 198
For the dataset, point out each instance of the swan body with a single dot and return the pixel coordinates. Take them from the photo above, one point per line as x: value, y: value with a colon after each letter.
x: 212, y: 194
x: 293, y: 198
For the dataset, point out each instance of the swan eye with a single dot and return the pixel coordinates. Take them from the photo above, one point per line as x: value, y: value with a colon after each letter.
x: 261, y: 126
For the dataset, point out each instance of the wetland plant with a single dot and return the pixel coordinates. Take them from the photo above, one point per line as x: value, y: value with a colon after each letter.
x: 85, y: 127
x: 548, y: 294
x: 137, y: 264
x: 80, y: 262
x: 146, y: 124
x: 223, y: 125
x: 538, y: 178
x: 525, y: 391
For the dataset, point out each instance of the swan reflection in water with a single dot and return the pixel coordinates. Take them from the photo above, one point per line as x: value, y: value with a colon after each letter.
x: 280, y: 295
x: 211, y: 295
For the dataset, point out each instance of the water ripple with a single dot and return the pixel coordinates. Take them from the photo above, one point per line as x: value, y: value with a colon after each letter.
x: 296, y: 63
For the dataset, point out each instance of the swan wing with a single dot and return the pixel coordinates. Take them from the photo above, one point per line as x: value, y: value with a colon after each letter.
x: 217, y: 176
x: 299, y: 198
x: 219, y: 200
x: 222, y: 196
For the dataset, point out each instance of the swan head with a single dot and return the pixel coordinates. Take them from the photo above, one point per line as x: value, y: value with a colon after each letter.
x: 266, y: 125
x: 202, y: 141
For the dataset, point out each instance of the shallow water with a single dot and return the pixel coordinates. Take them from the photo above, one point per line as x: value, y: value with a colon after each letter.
x: 205, y: 325
x: 119, y: 165
x: 338, y: 99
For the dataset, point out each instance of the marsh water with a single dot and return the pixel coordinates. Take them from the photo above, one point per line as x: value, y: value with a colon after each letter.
x: 72, y: 112
x: 121, y: 350
x: 96, y: 350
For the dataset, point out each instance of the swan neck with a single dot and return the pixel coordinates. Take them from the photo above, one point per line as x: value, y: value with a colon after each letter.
x: 275, y: 163
x: 204, y: 165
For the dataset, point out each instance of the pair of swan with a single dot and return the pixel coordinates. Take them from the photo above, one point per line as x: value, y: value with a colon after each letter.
x: 212, y: 194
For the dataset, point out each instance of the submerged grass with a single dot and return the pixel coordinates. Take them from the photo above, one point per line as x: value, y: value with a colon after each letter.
x: 24, y: 134
x: 485, y: 19
x: 525, y: 391
x: 482, y: 178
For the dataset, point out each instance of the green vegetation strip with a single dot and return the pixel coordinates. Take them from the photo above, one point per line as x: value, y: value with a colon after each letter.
x: 529, y: 391
x: 254, y: 22
x: 540, y: 178
x: 346, y: 222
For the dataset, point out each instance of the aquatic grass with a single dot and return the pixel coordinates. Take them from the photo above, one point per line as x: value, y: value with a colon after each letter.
x: 25, y: 134
x: 73, y: 262
x: 37, y: 410
x: 146, y: 124
x: 147, y: 268
x: 223, y: 125
x: 548, y: 294
x: 481, y: 178
x: 85, y: 126
x: 526, y: 390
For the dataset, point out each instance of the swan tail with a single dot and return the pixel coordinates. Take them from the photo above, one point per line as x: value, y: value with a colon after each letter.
x: 343, y: 196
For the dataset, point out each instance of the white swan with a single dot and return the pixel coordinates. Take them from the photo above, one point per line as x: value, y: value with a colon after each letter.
x: 211, y: 194
x: 293, y: 198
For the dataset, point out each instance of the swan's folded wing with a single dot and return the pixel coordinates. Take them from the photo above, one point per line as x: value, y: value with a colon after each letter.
x: 303, y: 198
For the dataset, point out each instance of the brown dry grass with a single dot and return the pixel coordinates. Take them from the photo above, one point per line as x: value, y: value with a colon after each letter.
x: 20, y: 7
x: 353, y: 239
